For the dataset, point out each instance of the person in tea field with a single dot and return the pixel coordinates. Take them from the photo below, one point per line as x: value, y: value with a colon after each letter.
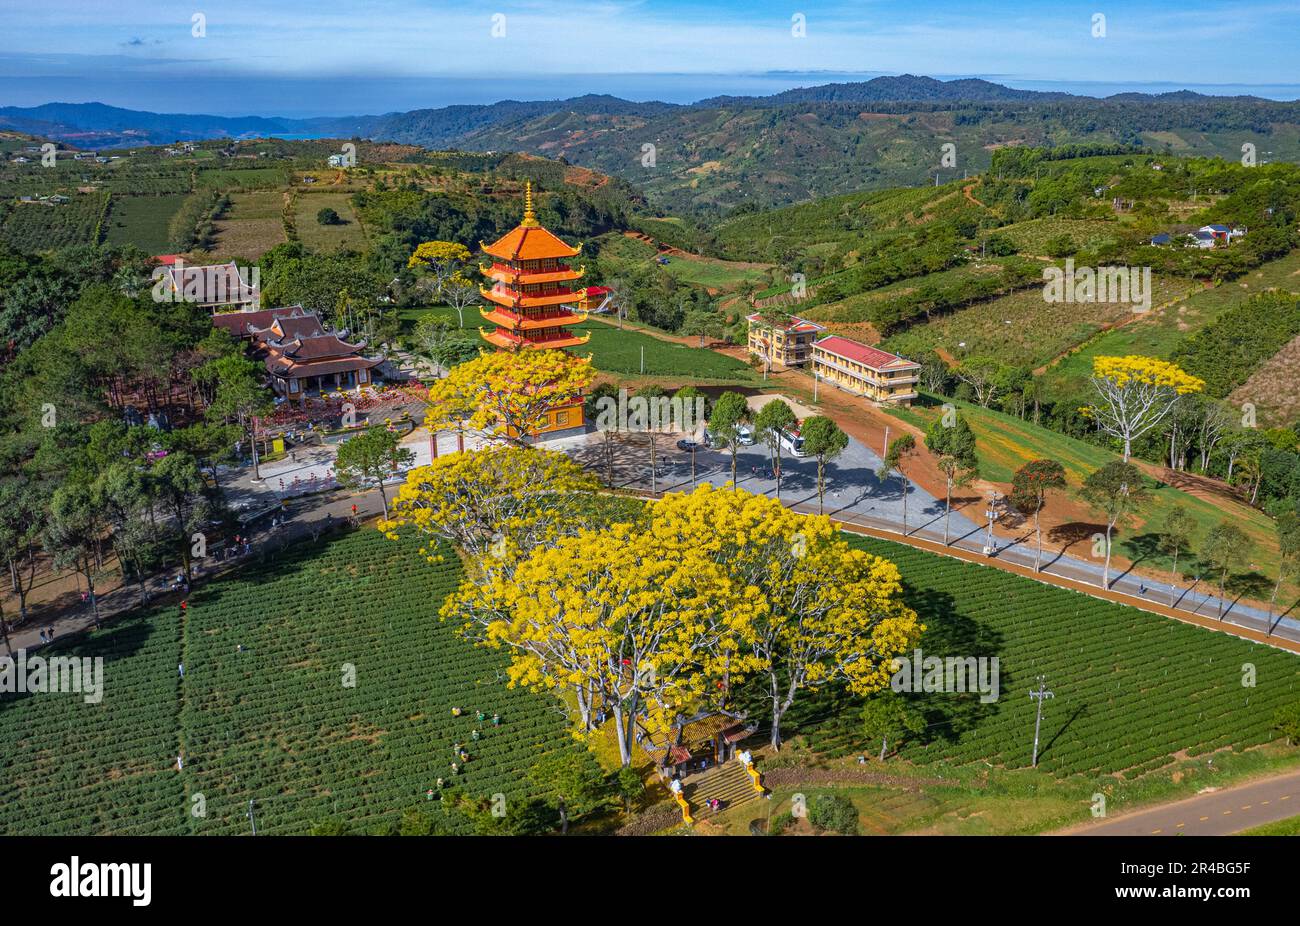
x: 455, y: 769
x: 496, y: 720
x: 464, y: 756
x: 473, y: 734
x: 478, y: 715
x: 455, y: 748
x: 455, y: 712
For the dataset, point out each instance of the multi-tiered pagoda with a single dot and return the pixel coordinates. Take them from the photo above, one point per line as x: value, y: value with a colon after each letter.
x: 533, y: 297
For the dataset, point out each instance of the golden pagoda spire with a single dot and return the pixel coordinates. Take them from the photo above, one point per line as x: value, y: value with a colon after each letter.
x: 530, y: 219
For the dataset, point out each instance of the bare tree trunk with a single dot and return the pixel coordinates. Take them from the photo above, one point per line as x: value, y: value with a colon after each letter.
x: 947, y: 511
x: 1105, y: 572
x: 1038, y: 554
x: 1173, y: 581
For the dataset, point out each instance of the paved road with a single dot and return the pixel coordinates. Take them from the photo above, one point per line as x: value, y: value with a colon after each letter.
x: 1216, y: 813
x: 855, y: 495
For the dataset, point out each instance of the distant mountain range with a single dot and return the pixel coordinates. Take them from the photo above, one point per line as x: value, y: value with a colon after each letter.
x: 715, y: 154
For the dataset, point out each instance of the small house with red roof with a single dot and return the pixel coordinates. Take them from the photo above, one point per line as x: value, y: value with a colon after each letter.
x: 782, y: 340
x: 865, y: 370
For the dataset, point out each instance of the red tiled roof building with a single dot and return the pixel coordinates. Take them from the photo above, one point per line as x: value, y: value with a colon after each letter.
x: 865, y: 370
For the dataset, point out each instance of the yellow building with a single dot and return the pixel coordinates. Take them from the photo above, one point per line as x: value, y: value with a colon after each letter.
x: 782, y: 340
x: 864, y: 370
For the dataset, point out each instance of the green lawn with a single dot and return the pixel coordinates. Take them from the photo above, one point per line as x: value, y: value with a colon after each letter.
x: 619, y: 351
x: 1004, y: 443
x: 276, y: 722
x: 1288, y: 827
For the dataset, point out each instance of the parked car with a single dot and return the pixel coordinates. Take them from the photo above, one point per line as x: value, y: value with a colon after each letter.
x: 744, y: 434
x: 690, y: 446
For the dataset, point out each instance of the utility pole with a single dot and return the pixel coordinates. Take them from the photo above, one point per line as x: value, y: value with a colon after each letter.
x: 251, y: 819
x: 884, y: 450
x: 992, y: 512
x: 1041, y: 694
x: 816, y: 380
x: 643, y: 360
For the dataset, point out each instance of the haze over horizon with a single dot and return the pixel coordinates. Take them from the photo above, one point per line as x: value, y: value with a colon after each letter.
x: 300, y: 59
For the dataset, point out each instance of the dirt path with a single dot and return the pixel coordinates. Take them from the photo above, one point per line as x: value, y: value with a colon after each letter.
x: 966, y: 191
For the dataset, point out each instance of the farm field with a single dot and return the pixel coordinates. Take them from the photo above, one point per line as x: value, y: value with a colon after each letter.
x: 327, y: 238
x: 1031, y: 237
x: 1160, y: 332
x: 619, y: 250
x: 141, y: 220
x: 39, y: 227
x: 252, y: 225
x: 251, y: 178
x: 1131, y: 689
x: 1272, y: 388
x: 275, y: 721
x: 1021, y: 328
x: 848, y: 312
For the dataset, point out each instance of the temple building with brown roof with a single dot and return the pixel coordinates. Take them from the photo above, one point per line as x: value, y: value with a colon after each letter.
x: 300, y: 354
x: 215, y: 287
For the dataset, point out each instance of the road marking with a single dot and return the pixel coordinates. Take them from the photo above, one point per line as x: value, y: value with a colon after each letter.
x: 1247, y: 807
x: 1226, y: 812
x: 1285, y: 797
x: 1263, y: 802
x: 1156, y: 832
x: 1181, y: 825
x: 1205, y: 818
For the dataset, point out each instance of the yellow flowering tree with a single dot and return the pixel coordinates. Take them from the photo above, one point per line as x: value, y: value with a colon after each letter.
x: 826, y: 613
x: 654, y: 621
x: 1136, y: 394
x: 493, y: 503
x: 508, y: 395
x: 442, y: 260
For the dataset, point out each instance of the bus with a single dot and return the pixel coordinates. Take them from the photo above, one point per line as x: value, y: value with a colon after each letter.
x: 793, y: 443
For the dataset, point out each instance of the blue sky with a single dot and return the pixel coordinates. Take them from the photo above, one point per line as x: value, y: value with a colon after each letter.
x: 300, y: 56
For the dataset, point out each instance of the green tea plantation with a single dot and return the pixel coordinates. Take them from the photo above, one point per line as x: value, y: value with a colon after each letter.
x: 1131, y: 689
x: 317, y: 685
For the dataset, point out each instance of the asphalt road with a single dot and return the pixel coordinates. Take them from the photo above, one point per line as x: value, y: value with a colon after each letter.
x: 1216, y: 813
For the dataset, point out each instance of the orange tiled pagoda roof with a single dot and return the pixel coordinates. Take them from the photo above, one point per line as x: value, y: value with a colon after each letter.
x: 507, y: 341
x: 528, y: 240
x: 506, y: 274
x: 510, y: 298
x: 516, y: 322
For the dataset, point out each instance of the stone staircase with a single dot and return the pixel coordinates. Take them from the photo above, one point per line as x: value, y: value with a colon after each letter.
x: 729, y: 783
